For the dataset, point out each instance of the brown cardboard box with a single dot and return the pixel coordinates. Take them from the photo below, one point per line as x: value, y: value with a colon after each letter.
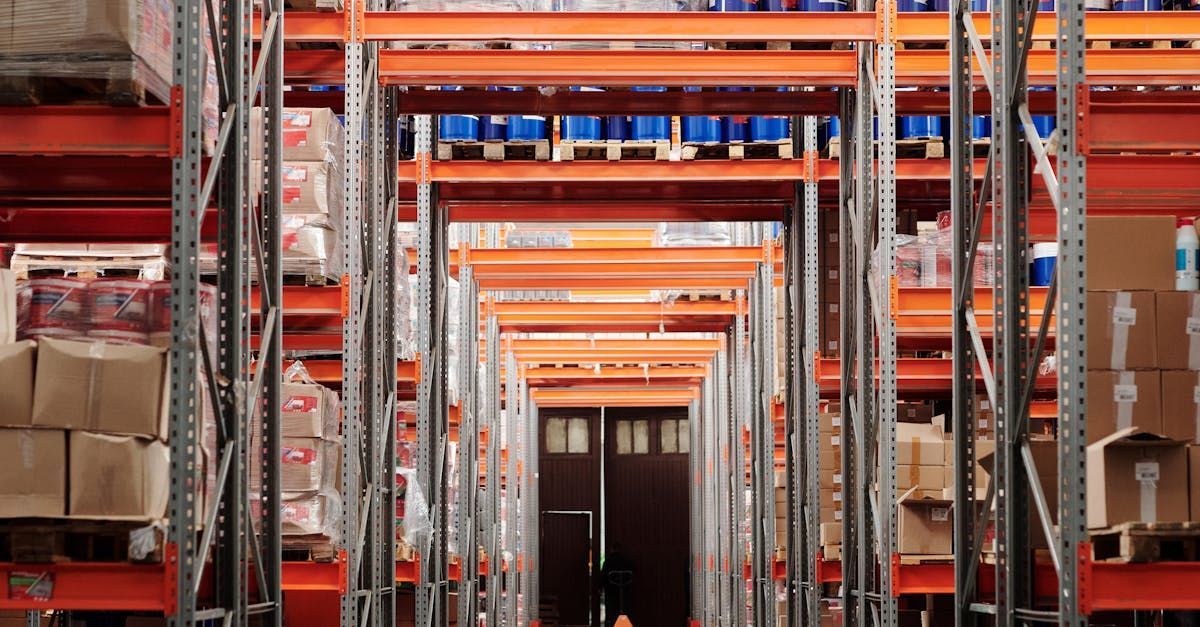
x: 830, y: 423
x: 307, y: 464
x: 831, y: 533
x: 831, y: 498
x: 312, y: 187
x: 831, y: 515
x: 309, y: 134
x: 305, y: 513
x: 110, y: 388
x: 831, y: 475
x: 923, y: 526
x: 1194, y: 481
x: 920, y: 444
x: 1178, y: 330
x: 920, y: 477
x: 830, y: 446
x: 1180, y: 411
x: 1118, y: 265
x: 909, y: 411
x: 16, y: 371
x: 1121, y: 330
x: 1136, y: 477
x: 1111, y: 392
x: 308, y: 410
x: 33, y: 479
x: 118, y: 477
x: 983, y: 449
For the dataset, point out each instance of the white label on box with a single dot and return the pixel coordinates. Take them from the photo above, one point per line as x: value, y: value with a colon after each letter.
x: 837, y: 477
x: 1125, y: 393
x: 836, y: 421
x: 1196, y: 395
x: 985, y: 405
x: 1126, y: 316
x: 1146, y: 471
x: 295, y: 173
x: 1193, y: 325
x: 499, y: 119
x: 837, y: 514
x: 296, y: 119
x: 837, y: 497
x: 983, y: 423
x: 835, y: 440
x: 939, y: 514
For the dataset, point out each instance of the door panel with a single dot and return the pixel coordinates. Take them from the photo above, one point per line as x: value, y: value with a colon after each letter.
x: 568, y: 574
x: 646, y: 496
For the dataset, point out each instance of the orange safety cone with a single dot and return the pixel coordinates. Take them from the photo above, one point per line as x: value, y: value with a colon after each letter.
x: 623, y: 621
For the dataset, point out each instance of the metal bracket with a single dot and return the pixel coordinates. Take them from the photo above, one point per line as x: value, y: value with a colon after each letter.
x: 811, y: 158
x: 885, y: 22
x: 1083, y: 124
x: 170, y: 578
x: 175, y: 141
x: 1084, y: 582
x: 355, y: 15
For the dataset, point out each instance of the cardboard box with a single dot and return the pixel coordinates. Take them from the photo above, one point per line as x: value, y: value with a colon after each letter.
x: 923, y: 526
x: 921, y: 477
x: 312, y: 187
x: 33, y: 479
x: 16, y: 371
x: 117, y: 477
x: 1194, y: 481
x: 1180, y: 411
x: 1118, y: 265
x: 831, y: 533
x: 110, y: 388
x: 1178, y: 330
x: 1120, y: 399
x: 909, y: 411
x: 831, y: 515
x: 830, y: 446
x: 308, y: 410
x: 920, y: 444
x: 1136, y: 477
x: 1121, y: 330
x: 984, y: 449
x: 307, y: 464
x: 305, y: 513
x: 830, y: 423
x: 831, y: 476
x: 309, y: 134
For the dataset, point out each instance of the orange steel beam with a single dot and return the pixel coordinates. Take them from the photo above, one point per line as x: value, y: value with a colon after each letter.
x: 764, y: 68
x: 85, y: 129
x: 644, y: 317
x: 624, y: 171
x: 626, y: 26
x: 925, y: 313
x: 654, y: 350
x: 549, y: 377
x: 96, y: 586
x: 648, y: 396
x: 915, y: 376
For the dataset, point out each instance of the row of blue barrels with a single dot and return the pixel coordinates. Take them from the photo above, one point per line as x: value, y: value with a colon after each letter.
x: 455, y: 128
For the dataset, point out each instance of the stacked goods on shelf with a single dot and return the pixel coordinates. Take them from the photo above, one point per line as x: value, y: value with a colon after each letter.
x: 523, y: 237
x: 143, y: 261
x: 119, y: 51
x: 829, y: 275
x: 312, y: 194
x: 781, y: 507
x: 685, y: 234
x: 830, y: 470
x: 1142, y: 377
x: 84, y: 413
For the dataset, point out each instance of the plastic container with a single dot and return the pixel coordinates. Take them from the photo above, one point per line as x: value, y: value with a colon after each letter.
x: 920, y: 126
x: 644, y: 128
x: 1041, y: 269
x: 733, y: 5
x: 912, y: 6
x: 582, y: 127
x: 616, y: 128
x: 822, y: 5
x: 457, y: 128
x: 981, y: 126
x: 525, y: 127
x: 770, y: 128
x: 1187, y: 255
x: 1137, y: 5
x: 494, y: 128
x: 734, y: 128
x: 699, y: 129
x: 777, y: 5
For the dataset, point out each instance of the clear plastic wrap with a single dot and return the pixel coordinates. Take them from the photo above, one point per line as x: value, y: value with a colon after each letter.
x: 924, y: 260
x: 309, y: 134
x: 417, y: 525
x: 693, y: 234
x: 403, y: 304
x: 310, y: 514
x: 118, y: 41
x: 308, y: 464
x: 312, y: 246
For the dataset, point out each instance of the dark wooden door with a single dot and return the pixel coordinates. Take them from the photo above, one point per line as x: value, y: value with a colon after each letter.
x: 646, y: 505
x: 569, y: 481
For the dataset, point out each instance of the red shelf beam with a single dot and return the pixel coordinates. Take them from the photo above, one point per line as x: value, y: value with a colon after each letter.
x: 98, y: 586
x: 914, y: 377
x: 598, y: 317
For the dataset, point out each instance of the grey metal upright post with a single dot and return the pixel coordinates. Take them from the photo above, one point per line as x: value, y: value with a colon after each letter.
x: 231, y: 571
x: 739, y: 410
x: 882, y: 307
x: 963, y: 219
x: 1071, y: 321
x: 512, y: 417
x: 695, y: 519
x: 468, y: 444
x: 1011, y: 317
x: 432, y: 411
x: 533, y: 510
x: 762, y: 436
x: 491, y: 507
x: 809, y: 408
x: 188, y: 76
x: 708, y: 492
x: 849, y: 292
x: 728, y: 576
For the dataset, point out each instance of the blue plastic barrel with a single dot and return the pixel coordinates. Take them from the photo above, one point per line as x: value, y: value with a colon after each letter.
x: 919, y: 126
x: 912, y: 6
x: 777, y: 5
x: 769, y: 128
x: 494, y: 128
x: 649, y: 127
x: 734, y: 128
x: 700, y: 129
x: 827, y: 131
x: 733, y: 5
x: 457, y: 128
x: 822, y: 5
x: 616, y: 128
x: 526, y: 127
x: 582, y: 127
x: 1137, y: 5
x: 981, y: 126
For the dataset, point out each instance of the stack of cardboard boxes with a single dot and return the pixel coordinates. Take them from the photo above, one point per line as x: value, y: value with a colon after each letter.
x: 310, y: 465
x: 830, y: 471
x: 1143, y: 375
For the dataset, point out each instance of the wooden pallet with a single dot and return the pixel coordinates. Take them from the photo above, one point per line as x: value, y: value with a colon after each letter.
x: 1147, y: 542
x: 750, y: 45
x: 33, y: 90
x: 737, y: 152
x: 703, y: 295
x: 578, y: 150
x: 533, y: 150
x: 1157, y: 44
x: 910, y: 560
x: 308, y: 548
x: 981, y: 147
x: 926, y: 148
x: 43, y: 541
